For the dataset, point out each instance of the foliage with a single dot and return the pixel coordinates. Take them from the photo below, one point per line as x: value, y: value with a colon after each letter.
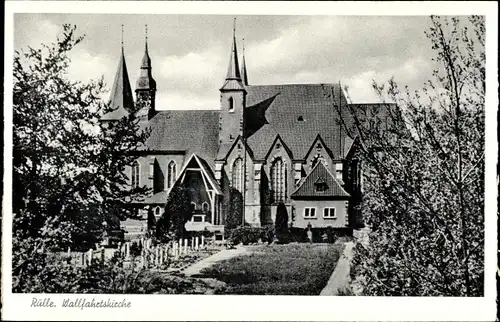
x: 151, y: 221
x: 246, y: 235
x: 424, y: 197
x: 234, y: 216
x: 111, y: 277
x: 178, y: 212
x: 68, y: 167
x: 281, y: 224
x: 294, y: 269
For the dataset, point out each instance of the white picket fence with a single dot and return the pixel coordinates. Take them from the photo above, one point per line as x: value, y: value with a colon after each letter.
x: 150, y: 256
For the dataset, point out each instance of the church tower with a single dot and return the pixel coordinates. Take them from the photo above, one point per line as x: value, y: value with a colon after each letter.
x: 233, y: 100
x: 121, y: 100
x: 146, y: 86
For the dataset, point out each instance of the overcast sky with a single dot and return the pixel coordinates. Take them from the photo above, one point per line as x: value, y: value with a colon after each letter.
x: 190, y: 53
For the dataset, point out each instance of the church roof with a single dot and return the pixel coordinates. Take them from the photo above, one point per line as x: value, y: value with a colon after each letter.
x: 298, y: 113
x: 192, y: 131
x: 121, y: 100
x: 320, y: 175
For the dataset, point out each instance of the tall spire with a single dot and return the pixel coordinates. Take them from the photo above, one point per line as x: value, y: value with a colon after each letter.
x: 121, y: 99
x: 146, y: 81
x: 233, y: 77
x: 244, y: 75
x: 233, y: 70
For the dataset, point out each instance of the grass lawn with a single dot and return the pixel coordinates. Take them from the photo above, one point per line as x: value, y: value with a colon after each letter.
x: 294, y: 269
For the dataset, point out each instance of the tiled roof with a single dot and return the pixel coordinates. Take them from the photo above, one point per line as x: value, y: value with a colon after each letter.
x: 157, y: 198
x: 192, y: 131
x: 298, y: 113
x: 121, y: 99
x: 317, y: 175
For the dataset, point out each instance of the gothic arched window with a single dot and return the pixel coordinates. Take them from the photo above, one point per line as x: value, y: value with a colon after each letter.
x: 231, y: 104
x: 171, y: 174
x: 205, y: 207
x: 237, y: 175
x: 278, y: 180
x: 134, y: 178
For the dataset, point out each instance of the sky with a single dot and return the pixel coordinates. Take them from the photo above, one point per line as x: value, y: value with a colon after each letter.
x: 190, y: 53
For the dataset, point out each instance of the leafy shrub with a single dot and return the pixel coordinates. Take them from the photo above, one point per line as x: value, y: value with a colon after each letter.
x: 246, y: 235
x: 135, y: 249
x: 281, y: 224
x: 234, y: 216
x: 268, y: 233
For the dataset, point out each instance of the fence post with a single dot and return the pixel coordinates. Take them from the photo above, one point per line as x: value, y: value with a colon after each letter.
x: 127, y: 250
x: 196, y: 243
x: 83, y: 259
x: 103, y: 255
x: 202, y: 241
x: 185, y: 245
x: 90, y: 256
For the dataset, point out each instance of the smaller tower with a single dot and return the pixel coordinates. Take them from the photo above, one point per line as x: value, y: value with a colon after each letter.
x: 233, y: 100
x: 146, y: 86
x: 244, y: 74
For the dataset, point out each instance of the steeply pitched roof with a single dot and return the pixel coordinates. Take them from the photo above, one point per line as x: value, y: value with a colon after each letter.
x: 146, y: 80
x: 193, y: 131
x: 320, y: 174
x: 298, y: 113
x: 233, y: 77
x: 121, y: 100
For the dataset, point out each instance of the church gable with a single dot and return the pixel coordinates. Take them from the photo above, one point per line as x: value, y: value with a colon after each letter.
x: 278, y: 148
x: 318, y: 152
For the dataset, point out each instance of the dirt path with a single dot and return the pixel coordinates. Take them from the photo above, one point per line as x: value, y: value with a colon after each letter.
x: 340, y: 276
x: 220, y: 256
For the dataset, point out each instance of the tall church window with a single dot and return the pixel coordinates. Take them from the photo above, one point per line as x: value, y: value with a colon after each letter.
x: 237, y: 175
x: 231, y: 104
x: 278, y: 180
x: 171, y: 174
x: 135, y: 175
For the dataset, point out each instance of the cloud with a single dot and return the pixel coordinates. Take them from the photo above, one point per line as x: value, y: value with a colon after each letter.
x: 85, y: 66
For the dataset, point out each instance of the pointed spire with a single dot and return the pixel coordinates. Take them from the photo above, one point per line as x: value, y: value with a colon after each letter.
x: 145, y: 80
x: 233, y: 77
x: 121, y: 99
x: 233, y: 70
x: 244, y: 75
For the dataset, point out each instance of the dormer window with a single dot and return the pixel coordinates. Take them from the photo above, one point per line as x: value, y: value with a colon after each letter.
x: 320, y: 185
x: 231, y: 104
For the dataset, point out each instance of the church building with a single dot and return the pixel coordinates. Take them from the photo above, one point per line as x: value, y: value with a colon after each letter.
x: 265, y: 145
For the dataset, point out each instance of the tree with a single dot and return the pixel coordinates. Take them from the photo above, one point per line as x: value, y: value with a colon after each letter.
x: 281, y: 223
x: 424, y: 175
x: 66, y: 164
x: 234, y: 216
x: 178, y: 211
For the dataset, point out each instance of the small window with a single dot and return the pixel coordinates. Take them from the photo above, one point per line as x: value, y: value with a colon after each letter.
x: 198, y: 218
x: 205, y: 207
x: 300, y: 118
x: 157, y: 211
x: 231, y: 104
x: 321, y: 185
x: 135, y: 175
x: 329, y: 213
x: 309, y: 212
x: 151, y: 169
x: 193, y: 205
